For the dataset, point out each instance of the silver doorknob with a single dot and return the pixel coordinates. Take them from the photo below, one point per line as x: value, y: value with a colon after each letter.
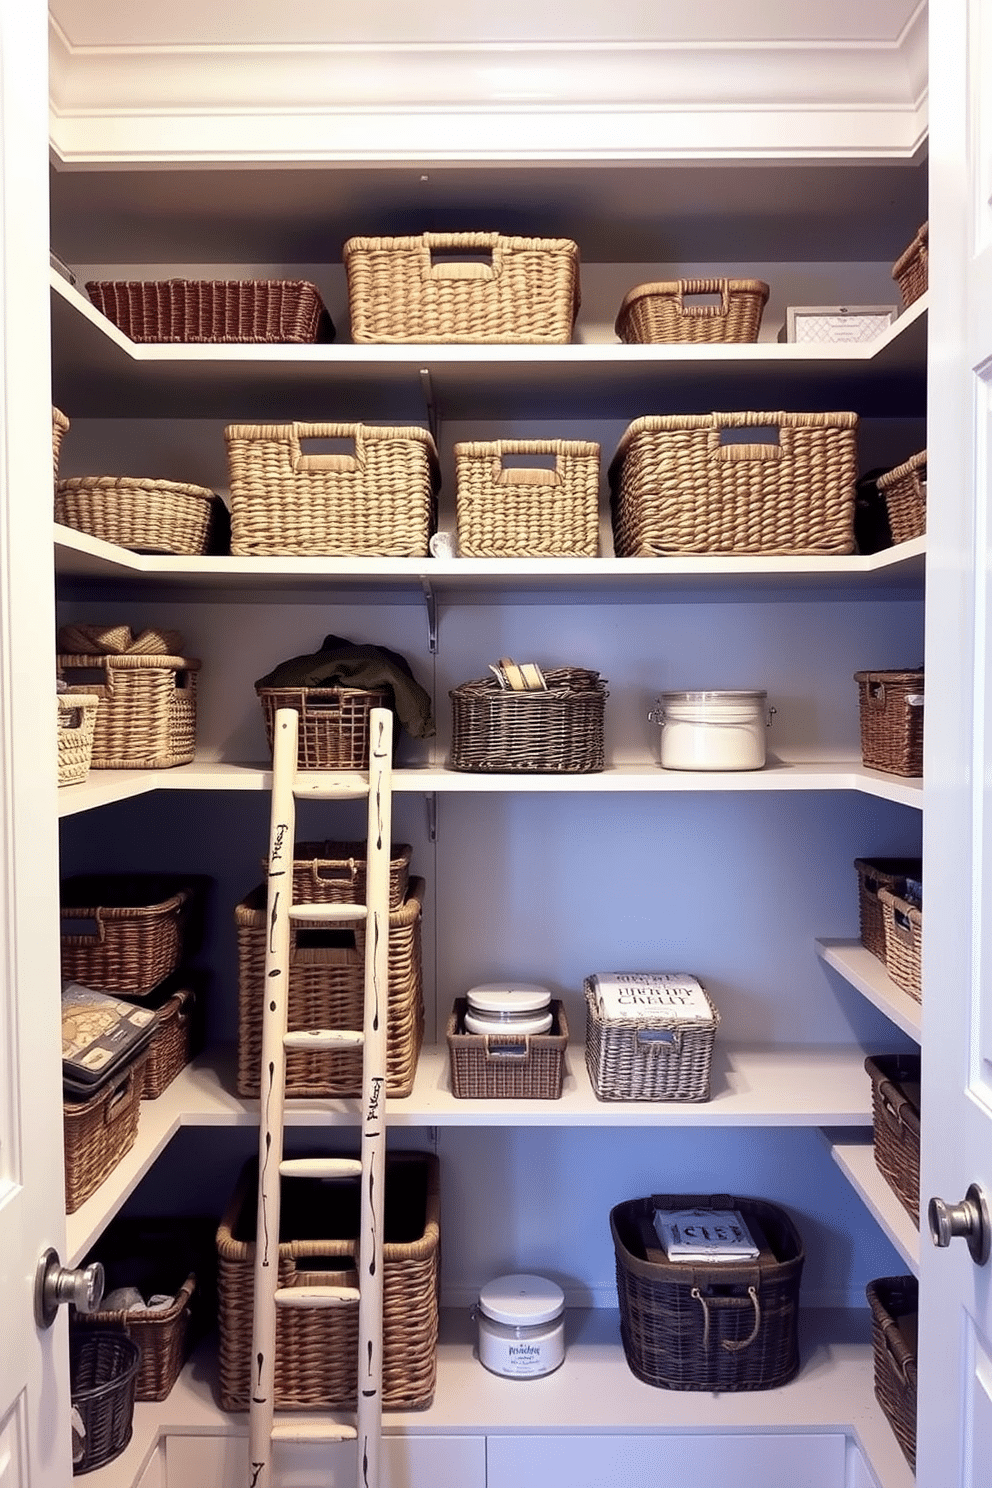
x: 968, y: 1220
x: 55, y: 1284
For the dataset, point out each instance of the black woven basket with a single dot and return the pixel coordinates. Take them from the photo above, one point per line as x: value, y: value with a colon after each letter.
x: 557, y: 731
x: 894, y: 1301
x: 103, y: 1370
x: 714, y: 1326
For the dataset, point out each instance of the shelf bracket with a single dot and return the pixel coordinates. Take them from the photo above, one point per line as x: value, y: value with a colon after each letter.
x: 430, y: 802
x: 427, y: 388
x: 430, y: 603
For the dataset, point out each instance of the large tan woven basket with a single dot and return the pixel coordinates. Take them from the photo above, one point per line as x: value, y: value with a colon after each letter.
x: 890, y: 706
x: 679, y: 485
x: 99, y: 1131
x: 905, y: 492
x: 875, y: 874
x: 76, y: 726
x: 317, y: 1347
x: 124, y: 932
x: 148, y: 516
x: 669, y: 311
x: 375, y: 500
x: 228, y: 310
x: 326, y: 990
x: 147, y: 714
x: 505, y: 1065
x: 561, y: 730
x: 666, y: 1059
x: 895, y: 1098
x: 510, y: 509
x: 462, y: 287
x: 894, y: 1303
x: 911, y: 268
x: 903, y: 942
x: 334, y: 727
x: 60, y: 427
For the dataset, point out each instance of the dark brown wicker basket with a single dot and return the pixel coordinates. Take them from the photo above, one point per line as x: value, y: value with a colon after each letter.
x: 558, y: 731
x: 334, y: 723
x: 99, y: 1132
x: 875, y: 874
x: 894, y: 1301
x: 905, y: 491
x: 665, y: 1059
x: 505, y: 1065
x: 911, y: 268
x: 103, y: 1367
x: 891, y: 711
x: 123, y: 932
x: 903, y: 942
x: 336, y: 872
x: 660, y: 312
x: 717, y: 1326
x: 229, y: 310
x: 317, y: 1347
x: 895, y: 1095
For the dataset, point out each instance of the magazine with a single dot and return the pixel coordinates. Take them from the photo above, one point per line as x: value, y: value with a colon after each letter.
x: 704, y: 1235
x: 651, y: 995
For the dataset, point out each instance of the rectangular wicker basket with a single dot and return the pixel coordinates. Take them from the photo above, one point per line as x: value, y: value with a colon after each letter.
x: 160, y: 1335
x: 326, y: 971
x: 76, y: 726
x: 894, y: 1303
x: 334, y: 727
x: 895, y: 1092
x: 317, y: 1347
x: 498, y: 1066
x: 178, y: 1034
x: 681, y: 484
x: 903, y: 942
x: 375, y: 499
x: 664, y: 1059
x: 718, y: 1326
x: 99, y: 1131
x: 891, y: 713
x: 875, y: 874
x: 462, y: 287
x: 511, y: 510
x: 147, y: 714
x: 905, y: 491
x: 336, y: 872
x: 147, y: 516
x: 124, y: 932
x: 228, y: 310
x: 561, y: 730
x: 665, y: 312
x: 911, y: 268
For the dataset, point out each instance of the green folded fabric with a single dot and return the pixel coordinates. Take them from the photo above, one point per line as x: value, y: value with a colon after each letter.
x: 340, y: 663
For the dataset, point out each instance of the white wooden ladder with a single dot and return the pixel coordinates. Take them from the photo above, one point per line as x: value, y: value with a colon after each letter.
x: 364, y: 1424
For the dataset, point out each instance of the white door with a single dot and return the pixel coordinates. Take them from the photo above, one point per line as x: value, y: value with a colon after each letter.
x: 955, y: 1385
x: 34, y: 1434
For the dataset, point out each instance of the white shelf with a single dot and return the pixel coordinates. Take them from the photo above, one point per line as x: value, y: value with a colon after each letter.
x: 856, y: 1161
x: 594, y: 1391
x: 867, y: 974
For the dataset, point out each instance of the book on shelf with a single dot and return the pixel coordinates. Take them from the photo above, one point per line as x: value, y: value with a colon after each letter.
x: 647, y: 995
x: 704, y: 1235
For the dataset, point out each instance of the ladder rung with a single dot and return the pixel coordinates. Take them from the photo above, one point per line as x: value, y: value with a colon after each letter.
x: 324, y: 1038
x: 316, y: 1296
x: 313, y: 1431
x: 328, y: 913
x: 320, y: 1167
x: 330, y: 785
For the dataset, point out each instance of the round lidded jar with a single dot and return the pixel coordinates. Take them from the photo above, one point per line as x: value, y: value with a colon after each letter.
x: 508, y: 1007
x: 713, y: 730
x: 521, y: 1326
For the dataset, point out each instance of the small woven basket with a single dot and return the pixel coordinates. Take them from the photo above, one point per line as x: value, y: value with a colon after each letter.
x: 337, y: 872
x: 558, y: 731
x: 316, y: 1364
x: 894, y: 1303
x: 229, y: 310
x: 60, y: 428
x: 160, y: 1335
x: 103, y: 1368
x: 895, y: 1091
x: 505, y: 1065
x: 123, y: 932
x: 506, y: 510
x: 665, y: 312
x: 903, y: 942
x: 905, y: 492
x: 911, y: 268
x: 177, y: 1038
x: 664, y: 1059
x: 326, y: 990
x: 377, y: 499
x: 891, y: 712
x: 679, y: 484
x: 875, y: 874
x: 715, y: 1326
x: 148, y: 516
x: 147, y: 714
x: 99, y: 1132
x: 462, y: 287
x: 76, y: 725
x: 335, y: 723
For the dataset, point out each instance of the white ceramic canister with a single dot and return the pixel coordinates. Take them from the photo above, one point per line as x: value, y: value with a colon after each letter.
x: 712, y: 730
x: 508, y: 1007
x: 521, y: 1322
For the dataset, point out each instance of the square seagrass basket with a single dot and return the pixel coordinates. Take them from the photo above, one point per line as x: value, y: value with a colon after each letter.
x: 99, y: 1131
x: 905, y: 491
x: 125, y: 932
x: 509, y: 508
x: 147, y: 516
x: 497, y: 1066
x: 911, y: 269
x: 714, y: 1326
x: 894, y: 1303
x: 693, y: 310
x: 317, y: 1347
x: 229, y: 310
x: 561, y: 730
x: 147, y: 714
x: 335, y: 723
x: 377, y: 498
x: 895, y: 1095
x: 76, y: 726
x: 336, y: 872
x: 891, y: 713
x: 875, y: 874
x: 903, y: 942
x: 326, y: 990
x: 462, y: 287
x: 633, y: 1059
x: 684, y: 484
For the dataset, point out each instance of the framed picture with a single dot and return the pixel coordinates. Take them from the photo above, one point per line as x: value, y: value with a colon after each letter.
x: 837, y: 323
